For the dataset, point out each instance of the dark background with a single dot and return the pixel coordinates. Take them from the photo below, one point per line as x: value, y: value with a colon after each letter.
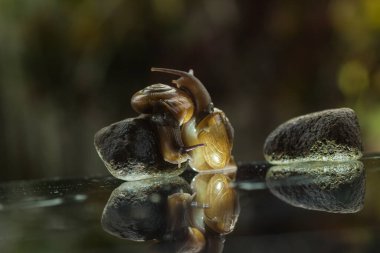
x: 68, y: 68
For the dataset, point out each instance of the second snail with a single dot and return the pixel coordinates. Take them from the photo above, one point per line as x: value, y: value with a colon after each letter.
x: 181, y: 124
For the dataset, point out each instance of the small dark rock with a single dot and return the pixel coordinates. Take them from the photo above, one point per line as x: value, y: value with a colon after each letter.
x: 330, y: 135
x: 130, y: 150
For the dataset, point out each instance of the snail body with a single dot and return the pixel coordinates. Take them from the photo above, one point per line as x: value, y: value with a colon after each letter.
x: 171, y: 108
x: 216, y: 133
x: 208, y: 131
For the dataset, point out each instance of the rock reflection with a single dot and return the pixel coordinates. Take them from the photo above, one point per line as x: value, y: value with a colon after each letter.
x: 138, y: 210
x: 336, y: 187
x: 179, y: 217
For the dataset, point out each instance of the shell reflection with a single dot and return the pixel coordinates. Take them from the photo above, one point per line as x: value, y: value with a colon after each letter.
x: 222, y: 203
x: 336, y: 187
x: 181, y: 218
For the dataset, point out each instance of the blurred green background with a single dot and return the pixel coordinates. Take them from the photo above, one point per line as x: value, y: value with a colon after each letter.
x: 68, y: 68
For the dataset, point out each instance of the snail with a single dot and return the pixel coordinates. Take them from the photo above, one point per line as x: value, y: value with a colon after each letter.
x: 171, y: 108
x: 177, y: 125
x: 208, y: 134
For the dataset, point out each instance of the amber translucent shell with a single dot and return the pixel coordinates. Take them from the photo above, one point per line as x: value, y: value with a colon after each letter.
x: 164, y: 98
x: 215, y: 132
x: 223, y: 210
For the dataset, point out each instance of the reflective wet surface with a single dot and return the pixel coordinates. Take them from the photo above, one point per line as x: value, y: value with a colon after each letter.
x: 309, y: 207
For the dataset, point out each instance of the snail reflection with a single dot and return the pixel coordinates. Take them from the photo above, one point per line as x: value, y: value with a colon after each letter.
x: 179, y: 217
x: 336, y: 187
x: 220, y: 202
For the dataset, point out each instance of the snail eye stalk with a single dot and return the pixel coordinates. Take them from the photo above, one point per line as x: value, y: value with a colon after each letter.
x: 189, y: 82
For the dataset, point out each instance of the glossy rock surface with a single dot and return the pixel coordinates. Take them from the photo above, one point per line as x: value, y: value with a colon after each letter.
x: 330, y: 135
x: 130, y: 150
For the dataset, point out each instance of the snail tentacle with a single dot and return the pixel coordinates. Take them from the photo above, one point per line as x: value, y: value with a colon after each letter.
x: 191, y: 148
x: 171, y: 144
x: 192, y: 84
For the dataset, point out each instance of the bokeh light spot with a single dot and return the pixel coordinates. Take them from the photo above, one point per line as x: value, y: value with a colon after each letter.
x: 372, y: 10
x: 168, y: 9
x: 353, y: 78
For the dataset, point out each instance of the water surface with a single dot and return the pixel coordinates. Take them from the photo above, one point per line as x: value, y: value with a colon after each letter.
x: 308, y: 208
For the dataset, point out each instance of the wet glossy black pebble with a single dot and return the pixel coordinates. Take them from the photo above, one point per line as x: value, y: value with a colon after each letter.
x: 130, y: 150
x: 330, y: 135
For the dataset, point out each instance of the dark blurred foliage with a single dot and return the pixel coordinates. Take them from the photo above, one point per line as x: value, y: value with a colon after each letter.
x: 69, y: 68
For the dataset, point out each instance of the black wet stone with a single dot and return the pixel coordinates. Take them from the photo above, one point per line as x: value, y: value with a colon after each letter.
x: 130, y: 150
x: 336, y: 187
x: 330, y: 135
x: 138, y: 210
